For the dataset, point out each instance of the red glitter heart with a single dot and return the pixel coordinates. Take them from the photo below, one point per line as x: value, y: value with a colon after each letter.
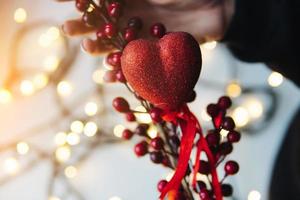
x: 164, y: 71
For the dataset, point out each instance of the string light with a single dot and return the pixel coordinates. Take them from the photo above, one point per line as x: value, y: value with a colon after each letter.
x: 254, y: 107
x: 205, y: 116
x: 76, y: 126
x: 60, y: 138
x: 47, y: 38
x: 73, y: 139
x: 240, y: 116
x: 22, y: 148
x: 90, y: 108
x: 20, y: 15
x: 90, y: 129
x: 5, y: 96
x: 70, y: 172
x: 152, y: 131
x: 51, y: 63
x: 27, y: 87
x: 254, y: 195
x: 115, y: 198
x: 64, y: 88
x: 142, y: 117
x: 63, y: 153
x: 275, y: 79
x: 98, y: 76
x: 53, y: 33
x: 40, y: 80
x: 118, y: 130
x: 233, y: 89
x: 11, y: 166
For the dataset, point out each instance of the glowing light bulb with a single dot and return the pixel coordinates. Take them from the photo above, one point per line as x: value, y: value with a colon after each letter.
x: 76, y: 126
x: 20, y: 15
x: 70, y: 171
x: 233, y: 89
x: 91, y: 108
x: 11, y: 166
x: 254, y: 195
x: 142, y: 117
x: 275, y: 79
x: 254, y: 107
x: 152, y: 132
x: 98, y: 76
x: 40, y: 80
x: 64, y: 88
x: 210, y: 45
x: 53, y: 33
x: 27, y: 87
x: 90, y: 129
x: 118, y: 130
x: 60, y: 138
x: 63, y: 153
x: 115, y: 198
x: 205, y: 116
x: 5, y: 96
x: 240, y: 116
x: 51, y: 63
x: 73, y: 139
x: 22, y: 148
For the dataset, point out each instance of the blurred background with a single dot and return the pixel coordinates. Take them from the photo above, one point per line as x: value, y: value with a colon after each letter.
x: 60, y: 136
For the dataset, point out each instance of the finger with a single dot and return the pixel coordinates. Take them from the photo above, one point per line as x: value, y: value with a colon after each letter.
x: 94, y: 47
x: 76, y: 27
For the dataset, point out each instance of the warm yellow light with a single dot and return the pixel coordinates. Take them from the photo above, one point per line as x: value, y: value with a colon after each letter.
x: 70, y: 171
x: 63, y: 153
x: 73, y: 139
x: 64, y: 88
x: 53, y: 198
x: 47, y: 38
x: 11, y: 166
x: 205, y: 116
x: 22, y: 148
x: 53, y: 33
x: 254, y: 107
x: 5, y: 96
x: 233, y: 89
x: 51, y: 63
x: 76, y: 126
x: 152, y: 131
x: 60, y: 138
x: 90, y: 108
x: 118, y: 130
x: 40, y: 80
x: 254, y: 195
x: 240, y: 116
x: 210, y: 45
x: 27, y: 87
x: 98, y: 76
x: 20, y: 15
x: 275, y: 79
x: 115, y: 198
x: 90, y: 129
x: 142, y: 117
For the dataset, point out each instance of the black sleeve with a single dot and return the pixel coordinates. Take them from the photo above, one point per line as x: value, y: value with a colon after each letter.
x: 267, y: 31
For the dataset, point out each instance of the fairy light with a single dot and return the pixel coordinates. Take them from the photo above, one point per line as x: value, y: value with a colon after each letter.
x: 233, y: 89
x: 47, y: 38
x: 70, y: 171
x: 40, y: 80
x: 51, y: 63
x: 98, y: 76
x: 115, y: 198
x: 254, y: 107
x: 152, y: 132
x: 118, y: 130
x: 254, y: 195
x: 63, y: 153
x: 240, y: 116
x: 64, y: 88
x: 142, y: 117
x: 205, y: 116
x: 60, y: 138
x: 11, y: 165
x: 90, y: 108
x: 73, y: 139
x: 20, y: 15
x: 53, y: 33
x: 22, y: 148
x: 5, y: 96
x: 210, y: 45
x: 27, y: 87
x: 275, y: 79
x: 77, y: 126
x: 90, y: 129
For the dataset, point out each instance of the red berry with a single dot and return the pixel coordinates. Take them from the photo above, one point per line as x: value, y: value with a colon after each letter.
x: 161, y: 184
x: 121, y: 105
x: 213, y: 139
x: 82, y: 5
x: 226, y: 148
x: 231, y: 167
x: 224, y: 102
x: 166, y: 161
x: 141, y: 129
x: 226, y: 190
x: 120, y: 77
x: 110, y: 76
x: 114, y: 59
x: 129, y: 34
x: 141, y: 148
x: 212, y: 110
x: 100, y: 34
x: 127, y: 134
x: 174, y: 141
x: 201, y: 184
x: 233, y: 136
x: 228, y: 124
x: 110, y: 30
x: 191, y: 97
x: 130, y: 117
x: 156, y: 157
x: 114, y: 9
x: 90, y: 18
x: 155, y: 114
x: 204, y: 194
x: 204, y: 167
x: 135, y: 22
x: 158, y: 30
x: 157, y: 143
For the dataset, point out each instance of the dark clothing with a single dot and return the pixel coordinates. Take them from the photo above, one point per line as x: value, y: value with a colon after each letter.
x: 269, y: 31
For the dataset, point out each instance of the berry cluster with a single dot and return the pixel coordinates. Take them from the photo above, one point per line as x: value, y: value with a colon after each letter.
x: 163, y: 149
